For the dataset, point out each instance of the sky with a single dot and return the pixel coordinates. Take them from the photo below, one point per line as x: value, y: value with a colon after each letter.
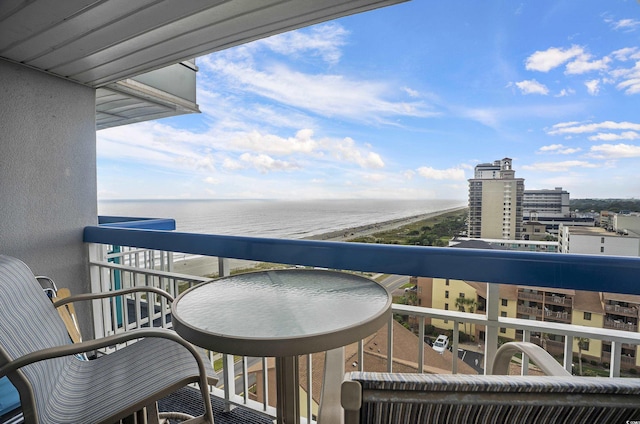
x: 401, y: 103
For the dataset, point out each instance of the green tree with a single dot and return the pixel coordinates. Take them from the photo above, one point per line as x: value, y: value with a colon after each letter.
x: 583, y: 343
x: 466, y: 304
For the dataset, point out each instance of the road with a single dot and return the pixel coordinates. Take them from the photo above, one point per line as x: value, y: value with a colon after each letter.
x: 394, y: 282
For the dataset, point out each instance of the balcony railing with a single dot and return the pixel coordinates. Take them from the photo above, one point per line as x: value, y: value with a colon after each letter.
x: 621, y: 310
x: 146, y: 258
x: 620, y: 325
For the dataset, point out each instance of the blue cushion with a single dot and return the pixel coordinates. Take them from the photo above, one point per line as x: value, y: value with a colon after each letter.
x: 9, y: 398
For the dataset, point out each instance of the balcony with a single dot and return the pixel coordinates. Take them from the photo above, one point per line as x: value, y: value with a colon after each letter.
x: 536, y: 297
x: 146, y: 256
x: 620, y: 325
x: 621, y: 310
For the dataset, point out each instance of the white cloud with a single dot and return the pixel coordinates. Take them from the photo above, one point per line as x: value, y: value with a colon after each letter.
x: 559, y: 149
x: 627, y: 135
x: 411, y: 92
x: 273, y: 144
x: 627, y: 53
x: 532, y: 87
x: 346, y: 150
x: 324, y: 94
x: 625, y: 24
x: 583, y: 64
x: 579, y: 128
x: 211, y: 180
x: 324, y: 41
x: 614, y: 151
x: 565, y: 92
x: 441, y: 174
x: 564, y: 166
x: 593, y: 86
x: 265, y: 163
x: 551, y: 58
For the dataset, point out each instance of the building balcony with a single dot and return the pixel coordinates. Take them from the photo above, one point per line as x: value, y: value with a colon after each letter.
x: 559, y: 300
x: 536, y: 297
x: 620, y: 325
x: 621, y: 310
x: 147, y: 252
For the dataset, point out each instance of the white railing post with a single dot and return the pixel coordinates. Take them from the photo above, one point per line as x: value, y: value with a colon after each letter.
x: 616, y: 357
x: 224, y: 269
x: 491, y: 342
x: 454, y: 347
x: 98, y: 276
x: 229, y: 378
x: 390, y: 345
x: 568, y: 354
x: 421, y: 345
x: 526, y: 337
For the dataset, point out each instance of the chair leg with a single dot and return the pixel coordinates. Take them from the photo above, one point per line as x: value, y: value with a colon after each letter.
x: 152, y: 413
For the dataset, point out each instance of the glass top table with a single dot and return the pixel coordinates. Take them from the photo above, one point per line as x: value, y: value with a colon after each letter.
x: 282, y: 313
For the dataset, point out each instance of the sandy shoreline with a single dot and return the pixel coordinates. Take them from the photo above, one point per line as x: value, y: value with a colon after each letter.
x: 365, y: 230
x: 206, y: 266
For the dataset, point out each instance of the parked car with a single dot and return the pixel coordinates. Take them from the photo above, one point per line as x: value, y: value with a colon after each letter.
x: 408, y: 289
x: 441, y: 343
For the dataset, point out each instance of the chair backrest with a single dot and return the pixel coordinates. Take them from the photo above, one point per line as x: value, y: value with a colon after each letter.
x: 29, y: 322
x: 435, y: 398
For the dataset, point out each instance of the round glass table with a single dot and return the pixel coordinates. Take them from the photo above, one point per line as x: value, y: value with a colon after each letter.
x: 282, y: 313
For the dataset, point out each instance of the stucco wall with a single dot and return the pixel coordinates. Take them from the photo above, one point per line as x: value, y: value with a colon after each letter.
x: 47, y: 173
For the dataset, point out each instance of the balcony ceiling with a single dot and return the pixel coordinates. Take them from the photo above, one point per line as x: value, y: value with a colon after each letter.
x: 100, y: 42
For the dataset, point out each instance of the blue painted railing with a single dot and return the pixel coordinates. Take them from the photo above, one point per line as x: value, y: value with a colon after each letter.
x: 554, y: 270
x: 166, y: 224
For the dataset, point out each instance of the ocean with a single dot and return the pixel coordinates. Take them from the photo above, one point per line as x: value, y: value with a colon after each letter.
x: 273, y: 218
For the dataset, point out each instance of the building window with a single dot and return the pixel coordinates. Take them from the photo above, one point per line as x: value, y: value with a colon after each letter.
x: 446, y: 294
x: 601, y: 239
x: 446, y: 283
x: 587, y: 316
x: 505, y: 302
x: 503, y: 314
x: 602, y: 249
x: 461, y: 296
x: 446, y: 306
x: 503, y: 330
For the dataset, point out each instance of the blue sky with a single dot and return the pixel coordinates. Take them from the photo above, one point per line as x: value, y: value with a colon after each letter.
x: 403, y: 102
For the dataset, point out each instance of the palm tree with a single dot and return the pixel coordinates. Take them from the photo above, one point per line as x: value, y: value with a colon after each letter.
x: 466, y: 304
x: 583, y: 343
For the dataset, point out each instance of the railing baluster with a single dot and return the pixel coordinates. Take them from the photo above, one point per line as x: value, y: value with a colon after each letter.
x: 568, y: 353
x: 454, y: 347
x: 421, y: 345
x: 390, y: 345
x: 265, y: 383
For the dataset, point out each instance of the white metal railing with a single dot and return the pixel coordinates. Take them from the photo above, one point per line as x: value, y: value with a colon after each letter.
x: 142, y: 267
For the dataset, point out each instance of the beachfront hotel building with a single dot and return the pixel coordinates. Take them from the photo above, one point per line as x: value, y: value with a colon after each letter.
x: 545, y: 203
x: 495, y: 201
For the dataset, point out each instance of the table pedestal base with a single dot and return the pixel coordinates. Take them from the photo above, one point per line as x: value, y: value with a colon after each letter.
x: 288, y: 390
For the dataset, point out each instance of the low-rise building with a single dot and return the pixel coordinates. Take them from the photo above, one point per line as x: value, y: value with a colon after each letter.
x: 598, y: 241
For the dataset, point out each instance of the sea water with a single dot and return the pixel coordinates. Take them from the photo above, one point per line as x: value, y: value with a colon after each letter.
x: 273, y: 218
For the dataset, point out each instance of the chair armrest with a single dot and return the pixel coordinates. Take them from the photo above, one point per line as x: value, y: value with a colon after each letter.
x: 75, y: 348
x: 351, y: 400
x: 538, y: 356
x: 72, y: 349
x: 103, y: 295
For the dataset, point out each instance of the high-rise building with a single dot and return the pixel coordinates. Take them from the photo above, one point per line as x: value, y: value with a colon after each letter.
x: 495, y: 201
x: 545, y: 203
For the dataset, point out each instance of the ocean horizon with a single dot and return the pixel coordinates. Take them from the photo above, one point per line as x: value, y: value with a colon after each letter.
x: 274, y: 218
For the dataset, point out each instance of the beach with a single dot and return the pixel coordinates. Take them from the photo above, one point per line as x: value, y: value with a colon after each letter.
x: 208, y: 266
x: 365, y: 230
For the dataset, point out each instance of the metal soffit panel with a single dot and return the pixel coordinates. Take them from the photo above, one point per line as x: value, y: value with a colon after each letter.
x: 98, y: 42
